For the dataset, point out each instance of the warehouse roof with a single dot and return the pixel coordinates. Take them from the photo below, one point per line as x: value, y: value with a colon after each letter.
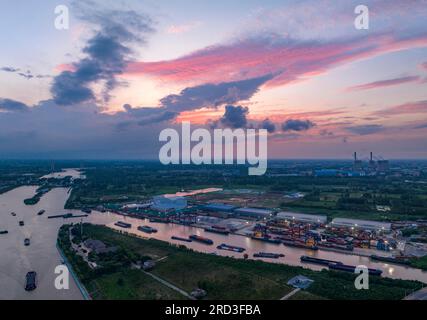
x: 254, y: 211
x: 301, y: 217
x: 363, y: 224
x: 219, y: 206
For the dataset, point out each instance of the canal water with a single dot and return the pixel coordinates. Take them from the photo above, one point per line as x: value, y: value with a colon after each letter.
x: 42, y: 255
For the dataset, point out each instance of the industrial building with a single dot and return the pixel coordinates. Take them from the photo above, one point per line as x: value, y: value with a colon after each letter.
x: 361, y: 224
x: 254, y: 213
x: 219, y: 207
x: 301, y: 217
x: 169, y: 203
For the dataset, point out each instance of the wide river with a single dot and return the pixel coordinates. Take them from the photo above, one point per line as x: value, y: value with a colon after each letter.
x: 42, y: 256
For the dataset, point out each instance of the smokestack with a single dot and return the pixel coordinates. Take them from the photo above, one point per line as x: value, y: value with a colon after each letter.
x: 355, y: 156
x: 371, y: 156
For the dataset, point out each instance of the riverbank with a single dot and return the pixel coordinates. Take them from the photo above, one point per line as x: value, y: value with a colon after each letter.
x: 220, y: 277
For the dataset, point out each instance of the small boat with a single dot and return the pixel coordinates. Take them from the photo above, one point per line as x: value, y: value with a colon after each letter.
x: 21, y: 223
x: 122, y: 224
x: 30, y: 280
x: 268, y: 255
x: 27, y: 242
x: 13, y: 214
x: 181, y: 239
x: 4, y: 232
x: 201, y: 239
x: 88, y: 211
x: 41, y: 212
x: 227, y: 247
x: 147, y: 229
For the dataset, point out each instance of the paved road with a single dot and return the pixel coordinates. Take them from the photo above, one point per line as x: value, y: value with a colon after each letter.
x: 170, y: 285
x: 290, y: 294
x: 418, y: 295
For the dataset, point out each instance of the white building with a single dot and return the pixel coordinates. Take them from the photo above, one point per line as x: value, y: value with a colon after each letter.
x: 301, y: 217
x: 361, y: 224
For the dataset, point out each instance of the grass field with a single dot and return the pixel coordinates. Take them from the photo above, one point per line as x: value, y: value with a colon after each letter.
x: 221, y: 277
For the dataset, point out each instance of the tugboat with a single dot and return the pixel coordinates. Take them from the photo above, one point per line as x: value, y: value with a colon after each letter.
x: 227, y: 247
x: 41, y: 212
x: 201, y: 239
x: 27, y: 242
x: 147, y: 229
x: 21, y: 223
x: 30, y: 279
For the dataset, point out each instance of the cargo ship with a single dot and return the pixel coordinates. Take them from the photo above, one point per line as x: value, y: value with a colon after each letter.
x: 147, y: 229
x: 348, y: 268
x: 159, y: 220
x: 323, y: 262
x: 265, y: 239
x: 268, y: 255
x: 299, y: 244
x: 41, y: 212
x: 329, y: 245
x: 30, y: 281
x: 122, y: 224
x: 181, y: 239
x: 395, y: 260
x: 201, y: 239
x: 227, y: 247
x: 217, y: 230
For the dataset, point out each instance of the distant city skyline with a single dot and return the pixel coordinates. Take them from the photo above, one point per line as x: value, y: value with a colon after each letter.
x: 122, y: 72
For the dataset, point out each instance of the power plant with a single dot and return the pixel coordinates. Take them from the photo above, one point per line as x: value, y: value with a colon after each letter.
x: 380, y: 165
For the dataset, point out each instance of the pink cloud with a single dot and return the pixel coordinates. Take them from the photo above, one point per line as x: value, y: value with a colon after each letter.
x: 288, y: 60
x: 406, y: 108
x: 384, y: 83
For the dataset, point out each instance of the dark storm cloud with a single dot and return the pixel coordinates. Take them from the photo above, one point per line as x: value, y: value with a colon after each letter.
x: 297, y: 125
x: 365, y: 129
x: 234, y: 117
x: 145, y: 116
x: 107, y: 53
x: 213, y: 95
x: 268, y: 125
x: 9, y: 105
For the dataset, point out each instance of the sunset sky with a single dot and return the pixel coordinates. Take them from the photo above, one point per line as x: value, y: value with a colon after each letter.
x: 124, y: 70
